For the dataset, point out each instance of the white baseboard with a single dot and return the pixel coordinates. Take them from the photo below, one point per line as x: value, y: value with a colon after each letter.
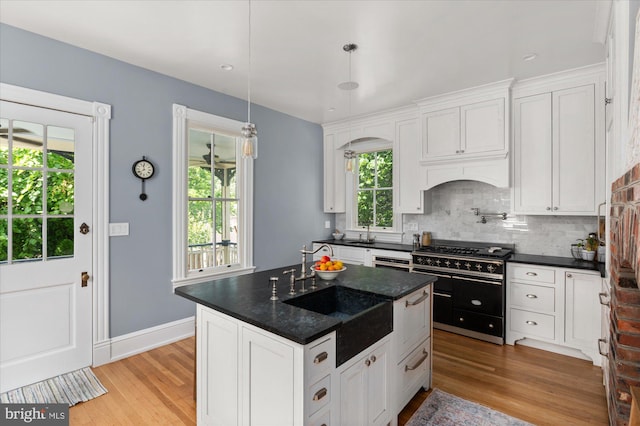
x: 141, y: 341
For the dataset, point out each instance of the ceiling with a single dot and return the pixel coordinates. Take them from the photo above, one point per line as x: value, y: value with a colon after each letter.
x: 407, y: 50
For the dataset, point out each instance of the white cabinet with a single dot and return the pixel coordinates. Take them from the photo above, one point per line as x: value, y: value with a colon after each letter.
x: 248, y: 376
x: 558, y: 307
x: 364, y: 388
x: 407, y: 194
x: 558, y: 148
x: 467, y: 131
x: 334, y: 178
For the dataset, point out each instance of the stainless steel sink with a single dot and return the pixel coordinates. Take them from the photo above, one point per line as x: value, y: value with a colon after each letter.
x: 366, y: 318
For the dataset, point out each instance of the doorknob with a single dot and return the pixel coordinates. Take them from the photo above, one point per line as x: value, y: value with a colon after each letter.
x: 84, y: 277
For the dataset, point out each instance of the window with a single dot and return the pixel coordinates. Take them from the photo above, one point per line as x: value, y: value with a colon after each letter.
x: 212, y: 198
x: 374, y: 189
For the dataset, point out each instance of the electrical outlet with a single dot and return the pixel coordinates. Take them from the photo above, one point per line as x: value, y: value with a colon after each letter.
x: 118, y: 229
x: 327, y: 224
x: 412, y: 226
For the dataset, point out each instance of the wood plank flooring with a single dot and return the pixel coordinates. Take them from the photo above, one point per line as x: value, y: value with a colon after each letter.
x: 156, y: 387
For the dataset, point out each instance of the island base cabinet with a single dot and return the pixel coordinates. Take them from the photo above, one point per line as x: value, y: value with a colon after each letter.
x: 364, y: 389
x: 217, y: 370
x: 413, y: 373
x: 267, y: 376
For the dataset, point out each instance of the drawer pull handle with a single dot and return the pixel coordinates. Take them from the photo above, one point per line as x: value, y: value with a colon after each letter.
x: 532, y: 274
x: 442, y: 295
x: 417, y: 301
x: 491, y: 326
x: 600, y: 342
x: 476, y: 302
x: 603, y: 300
x: 424, y: 356
x: 320, y: 394
x: 461, y: 319
x: 532, y: 296
x: 322, y: 356
x: 531, y: 322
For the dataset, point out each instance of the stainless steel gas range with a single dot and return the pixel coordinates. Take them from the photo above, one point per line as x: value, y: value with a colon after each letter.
x: 469, y: 295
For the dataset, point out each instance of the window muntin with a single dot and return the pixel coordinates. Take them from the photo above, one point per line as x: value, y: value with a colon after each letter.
x: 36, y: 191
x: 374, y: 189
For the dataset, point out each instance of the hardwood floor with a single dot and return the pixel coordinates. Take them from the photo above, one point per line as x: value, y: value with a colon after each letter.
x: 156, y: 387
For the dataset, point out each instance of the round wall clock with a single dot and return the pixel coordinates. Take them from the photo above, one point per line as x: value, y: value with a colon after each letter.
x: 143, y: 169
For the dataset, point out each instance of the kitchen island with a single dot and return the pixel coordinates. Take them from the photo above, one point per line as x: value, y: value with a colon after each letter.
x: 269, y: 362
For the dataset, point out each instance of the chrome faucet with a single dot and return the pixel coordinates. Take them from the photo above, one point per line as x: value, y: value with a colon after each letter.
x: 303, y: 267
x: 368, y: 238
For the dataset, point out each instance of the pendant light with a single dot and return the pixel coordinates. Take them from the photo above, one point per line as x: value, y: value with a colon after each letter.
x: 249, y: 131
x: 349, y: 154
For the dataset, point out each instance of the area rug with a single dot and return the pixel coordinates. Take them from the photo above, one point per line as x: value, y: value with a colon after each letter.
x: 443, y: 409
x: 70, y: 388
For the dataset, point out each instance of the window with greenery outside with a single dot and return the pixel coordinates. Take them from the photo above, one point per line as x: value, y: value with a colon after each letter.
x: 32, y: 210
x: 375, y: 189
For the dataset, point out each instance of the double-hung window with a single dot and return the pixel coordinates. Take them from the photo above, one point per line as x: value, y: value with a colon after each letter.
x: 212, y: 198
x: 374, y: 189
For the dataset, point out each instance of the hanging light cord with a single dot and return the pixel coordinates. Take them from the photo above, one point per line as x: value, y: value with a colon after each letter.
x: 249, y: 75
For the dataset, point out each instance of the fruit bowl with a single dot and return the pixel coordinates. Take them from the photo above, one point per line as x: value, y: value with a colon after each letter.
x: 328, y: 275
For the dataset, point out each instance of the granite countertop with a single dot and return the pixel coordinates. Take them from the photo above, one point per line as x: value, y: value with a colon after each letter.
x: 246, y: 298
x: 376, y: 245
x: 557, y: 261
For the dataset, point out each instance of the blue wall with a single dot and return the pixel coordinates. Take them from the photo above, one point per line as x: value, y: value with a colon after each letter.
x: 288, y: 172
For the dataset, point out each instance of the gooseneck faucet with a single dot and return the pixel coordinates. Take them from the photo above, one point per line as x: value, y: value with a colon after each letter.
x: 303, y: 267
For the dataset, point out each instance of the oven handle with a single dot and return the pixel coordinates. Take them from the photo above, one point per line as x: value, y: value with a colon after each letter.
x: 442, y: 294
x: 431, y: 273
x: 476, y: 280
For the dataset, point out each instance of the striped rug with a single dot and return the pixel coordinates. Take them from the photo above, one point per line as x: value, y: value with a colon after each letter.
x: 70, y: 388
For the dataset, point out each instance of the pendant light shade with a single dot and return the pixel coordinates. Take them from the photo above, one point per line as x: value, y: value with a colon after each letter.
x: 249, y: 131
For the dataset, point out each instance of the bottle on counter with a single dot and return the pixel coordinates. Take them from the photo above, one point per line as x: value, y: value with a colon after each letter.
x: 426, y: 238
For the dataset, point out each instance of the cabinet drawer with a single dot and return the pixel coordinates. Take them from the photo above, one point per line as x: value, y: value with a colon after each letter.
x: 319, y: 394
x: 413, y: 372
x: 532, y: 273
x: 533, y: 324
x: 412, y: 319
x: 351, y: 255
x: 322, y: 418
x: 532, y: 297
x: 320, y: 358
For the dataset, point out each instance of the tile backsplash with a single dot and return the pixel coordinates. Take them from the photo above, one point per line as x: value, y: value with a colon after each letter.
x: 451, y: 217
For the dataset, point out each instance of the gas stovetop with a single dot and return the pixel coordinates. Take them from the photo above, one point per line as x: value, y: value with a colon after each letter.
x: 467, y: 249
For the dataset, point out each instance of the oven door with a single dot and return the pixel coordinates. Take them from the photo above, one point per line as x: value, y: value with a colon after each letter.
x: 380, y: 261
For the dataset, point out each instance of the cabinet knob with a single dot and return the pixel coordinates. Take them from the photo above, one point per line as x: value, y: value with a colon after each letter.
x: 569, y: 276
x: 548, y: 208
x: 373, y: 358
x: 555, y: 208
x: 490, y: 325
x: 367, y: 362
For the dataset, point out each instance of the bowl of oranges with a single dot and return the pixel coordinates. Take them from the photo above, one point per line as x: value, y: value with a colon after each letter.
x: 328, y: 269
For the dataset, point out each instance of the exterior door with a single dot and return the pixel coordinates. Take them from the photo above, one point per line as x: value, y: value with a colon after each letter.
x: 45, y: 197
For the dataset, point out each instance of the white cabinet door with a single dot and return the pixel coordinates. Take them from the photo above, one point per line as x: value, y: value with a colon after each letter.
x: 364, y: 389
x: 334, y: 179
x: 482, y: 127
x: 532, y: 177
x: 574, y: 150
x: 440, y: 134
x: 412, y: 320
x: 409, y: 197
x: 269, y: 394
x: 583, y: 320
x: 217, y: 371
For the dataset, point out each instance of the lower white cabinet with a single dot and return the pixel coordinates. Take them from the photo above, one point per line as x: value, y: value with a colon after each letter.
x: 248, y: 376
x: 364, y: 388
x: 557, y: 307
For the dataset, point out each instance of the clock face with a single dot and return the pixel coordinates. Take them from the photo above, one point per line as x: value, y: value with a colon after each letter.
x: 143, y: 169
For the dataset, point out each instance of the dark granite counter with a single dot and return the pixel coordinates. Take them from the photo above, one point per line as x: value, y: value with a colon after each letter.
x: 377, y: 245
x: 556, y: 261
x: 246, y: 298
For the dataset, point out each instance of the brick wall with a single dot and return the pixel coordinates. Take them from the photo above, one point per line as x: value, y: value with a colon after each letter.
x: 624, y: 241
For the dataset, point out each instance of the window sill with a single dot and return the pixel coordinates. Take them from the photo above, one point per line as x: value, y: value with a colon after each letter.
x: 201, y: 278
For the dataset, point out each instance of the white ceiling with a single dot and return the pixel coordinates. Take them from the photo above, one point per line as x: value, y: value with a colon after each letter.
x: 408, y: 50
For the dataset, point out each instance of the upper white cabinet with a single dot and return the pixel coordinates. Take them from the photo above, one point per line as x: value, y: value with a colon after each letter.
x: 468, y: 131
x: 398, y: 128
x: 558, y: 148
x: 468, y: 124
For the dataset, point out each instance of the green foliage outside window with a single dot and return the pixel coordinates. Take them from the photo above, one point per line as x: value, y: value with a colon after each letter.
x: 375, y: 189
x: 27, y: 196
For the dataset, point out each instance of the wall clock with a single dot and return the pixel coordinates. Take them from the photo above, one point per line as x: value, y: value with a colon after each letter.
x: 143, y: 170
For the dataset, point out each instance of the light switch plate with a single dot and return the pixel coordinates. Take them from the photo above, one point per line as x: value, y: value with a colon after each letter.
x: 118, y: 229
x: 327, y: 224
x: 412, y: 226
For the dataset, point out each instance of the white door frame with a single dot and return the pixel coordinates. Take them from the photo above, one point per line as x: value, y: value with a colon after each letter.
x: 101, y: 114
